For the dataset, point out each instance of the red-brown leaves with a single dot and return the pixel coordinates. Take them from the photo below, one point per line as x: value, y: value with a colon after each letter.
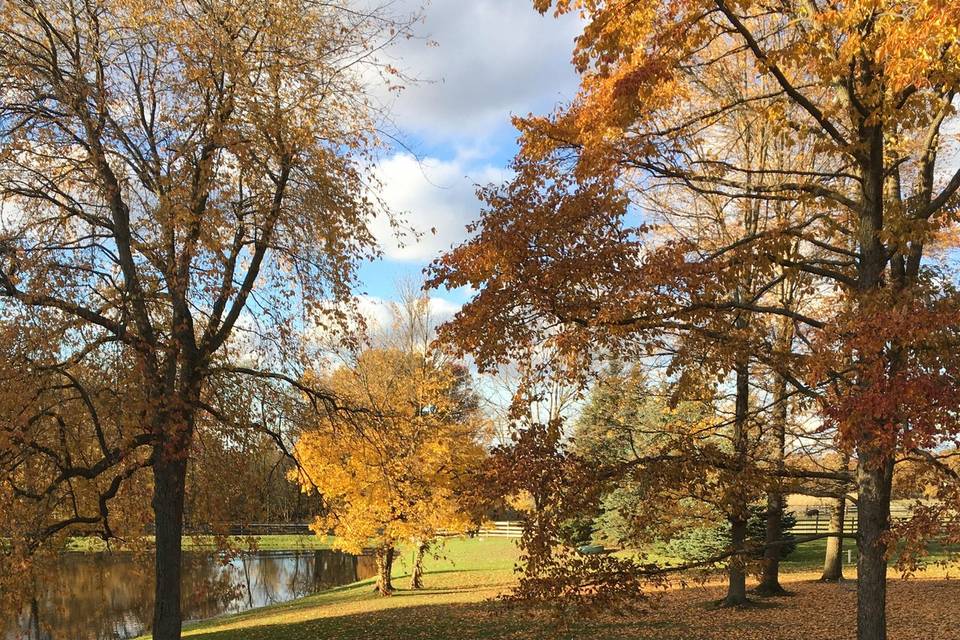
x: 894, y: 371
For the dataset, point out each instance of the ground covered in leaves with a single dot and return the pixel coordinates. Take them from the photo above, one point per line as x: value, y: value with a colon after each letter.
x: 457, y: 605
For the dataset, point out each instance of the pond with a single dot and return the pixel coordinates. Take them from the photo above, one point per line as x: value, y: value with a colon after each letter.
x: 109, y: 596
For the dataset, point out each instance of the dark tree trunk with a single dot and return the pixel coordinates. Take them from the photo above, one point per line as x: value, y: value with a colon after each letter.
x: 874, y: 464
x: 833, y: 559
x: 874, y: 479
x: 384, y: 584
x: 416, y: 579
x: 770, y: 569
x: 35, y: 619
x: 738, y: 514
x: 737, y: 571
x: 169, y: 475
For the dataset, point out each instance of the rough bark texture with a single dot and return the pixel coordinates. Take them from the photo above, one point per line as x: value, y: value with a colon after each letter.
x: 736, y: 572
x: 770, y: 569
x: 874, y: 465
x: 416, y: 579
x: 738, y: 514
x: 35, y: 619
x: 384, y: 584
x: 833, y: 559
x: 874, y: 479
x: 168, y: 492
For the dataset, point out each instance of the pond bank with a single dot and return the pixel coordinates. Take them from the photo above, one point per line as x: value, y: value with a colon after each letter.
x: 109, y: 596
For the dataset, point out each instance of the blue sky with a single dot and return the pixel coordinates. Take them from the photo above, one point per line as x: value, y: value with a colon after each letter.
x: 476, y: 63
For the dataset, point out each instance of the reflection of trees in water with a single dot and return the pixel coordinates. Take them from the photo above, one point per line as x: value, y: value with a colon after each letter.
x: 366, y: 567
x: 332, y: 569
x: 91, y: 596
x: 108, y: 596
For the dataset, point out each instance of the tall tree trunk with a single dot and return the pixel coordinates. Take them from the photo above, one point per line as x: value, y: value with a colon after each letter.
x: 35, y: 619
x: 384, y: 558
x: 169, y: 476
x: 416, y: 579
x: 874, y: 463
x: 738, y: 511
x: 833, y: 559
x: 770, y: 569
x: 874, y: 480
x: 736, y: 570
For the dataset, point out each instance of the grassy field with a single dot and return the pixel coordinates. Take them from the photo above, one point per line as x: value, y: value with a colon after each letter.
x: 465, y: 574
x: 461, y: 584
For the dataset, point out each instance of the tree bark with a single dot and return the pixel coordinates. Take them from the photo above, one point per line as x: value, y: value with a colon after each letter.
x: 770, y: 568
x: 833, y: 559
x: 874, y: 480
x: 874, y: 464
x: 416, y: 579
x: 35, y: 619
x: 169, y: 476
x: 736, y: 571
x: 738, y: 513
x: 384, y: 558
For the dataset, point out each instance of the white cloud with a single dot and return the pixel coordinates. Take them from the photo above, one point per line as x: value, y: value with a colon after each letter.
x: 377, y: 311
x: 491, y: 58
x: 443, y: 309
x: 434, y: 198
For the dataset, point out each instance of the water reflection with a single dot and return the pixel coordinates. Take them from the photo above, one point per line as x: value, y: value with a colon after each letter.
x: 110, y: 596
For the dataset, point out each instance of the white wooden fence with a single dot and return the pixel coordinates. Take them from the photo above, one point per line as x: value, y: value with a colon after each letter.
x: 502, y: 529
x: 499, y: 529
x: 814, y: 521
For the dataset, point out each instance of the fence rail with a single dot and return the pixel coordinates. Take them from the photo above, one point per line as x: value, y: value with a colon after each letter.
x: 814, y: 521
x: 250, y: 528
x: 810, y: 522
x: 502, y: 529
x: 499, y: 529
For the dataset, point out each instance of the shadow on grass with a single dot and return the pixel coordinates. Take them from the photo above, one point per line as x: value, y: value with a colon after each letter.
x: 473, y: 621
x: 916, y: 607
x: 360, y: 591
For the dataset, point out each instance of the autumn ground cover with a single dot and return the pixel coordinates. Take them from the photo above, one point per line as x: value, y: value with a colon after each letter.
x: 462, y: 584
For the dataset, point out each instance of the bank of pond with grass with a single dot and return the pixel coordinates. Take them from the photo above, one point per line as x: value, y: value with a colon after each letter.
x: 297, y: 587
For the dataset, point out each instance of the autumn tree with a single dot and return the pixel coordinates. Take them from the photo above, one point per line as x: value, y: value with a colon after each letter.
x: 869, y: 87
x: 63, y: 468
x: 184, y: 181
x: 395, y: 469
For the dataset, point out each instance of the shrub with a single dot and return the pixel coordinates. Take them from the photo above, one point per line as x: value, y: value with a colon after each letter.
x: 701, y: 543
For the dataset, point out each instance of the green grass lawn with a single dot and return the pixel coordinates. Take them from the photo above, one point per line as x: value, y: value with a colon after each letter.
x: 809, y: 555
x: 464, y: 574
x: 458, y: 603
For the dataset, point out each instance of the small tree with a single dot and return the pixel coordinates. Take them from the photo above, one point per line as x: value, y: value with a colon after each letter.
x: 393, y: 470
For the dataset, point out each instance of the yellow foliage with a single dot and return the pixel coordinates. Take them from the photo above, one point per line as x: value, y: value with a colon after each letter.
x: 394, y: 466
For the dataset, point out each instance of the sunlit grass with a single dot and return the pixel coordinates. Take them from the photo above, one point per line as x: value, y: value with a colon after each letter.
x: 461, y: 576
x: 459, y: 603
